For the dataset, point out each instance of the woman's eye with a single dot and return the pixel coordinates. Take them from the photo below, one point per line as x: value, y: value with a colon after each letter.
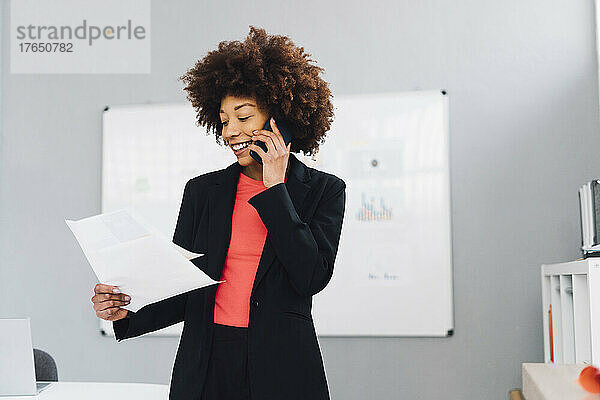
x: 224, y: 123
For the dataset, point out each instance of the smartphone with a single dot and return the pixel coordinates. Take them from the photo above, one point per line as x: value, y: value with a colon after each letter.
x: 284, y: 128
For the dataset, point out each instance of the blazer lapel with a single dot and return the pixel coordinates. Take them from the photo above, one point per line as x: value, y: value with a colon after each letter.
x: 221, y: 198
x: 221, y: 201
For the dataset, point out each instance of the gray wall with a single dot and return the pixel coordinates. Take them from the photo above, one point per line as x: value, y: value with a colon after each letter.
x: 522, y: 82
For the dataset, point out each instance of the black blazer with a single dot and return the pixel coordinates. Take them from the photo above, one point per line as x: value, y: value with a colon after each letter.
x: 304, y: 218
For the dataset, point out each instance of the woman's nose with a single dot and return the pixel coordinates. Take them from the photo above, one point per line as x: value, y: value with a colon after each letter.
x: 231, y: 135
x: 230, y: 132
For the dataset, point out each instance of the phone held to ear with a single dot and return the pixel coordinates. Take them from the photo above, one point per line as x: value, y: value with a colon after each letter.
x: 286, y: 132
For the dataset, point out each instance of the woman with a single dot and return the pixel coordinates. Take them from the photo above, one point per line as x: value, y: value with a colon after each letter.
x: 270, y: 231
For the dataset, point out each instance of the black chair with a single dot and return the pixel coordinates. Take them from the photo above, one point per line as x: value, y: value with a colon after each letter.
x: 45, y: 367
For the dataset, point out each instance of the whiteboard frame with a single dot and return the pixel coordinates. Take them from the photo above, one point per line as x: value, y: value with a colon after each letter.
x: 175, y: 330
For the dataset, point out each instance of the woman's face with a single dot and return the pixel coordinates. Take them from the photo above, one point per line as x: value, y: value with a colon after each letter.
x: 240, y: 116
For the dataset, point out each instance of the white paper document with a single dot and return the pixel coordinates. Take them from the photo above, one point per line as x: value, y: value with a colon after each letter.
x: 144, y: 264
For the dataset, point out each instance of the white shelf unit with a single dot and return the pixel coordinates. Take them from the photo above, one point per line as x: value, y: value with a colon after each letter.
x: 573, y: 290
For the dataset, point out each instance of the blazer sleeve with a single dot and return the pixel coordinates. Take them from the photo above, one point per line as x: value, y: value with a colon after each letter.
x: 307, y: 251
x: 167, y: 312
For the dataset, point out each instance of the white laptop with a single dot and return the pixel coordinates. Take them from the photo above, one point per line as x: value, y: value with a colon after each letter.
x: 17, y: 371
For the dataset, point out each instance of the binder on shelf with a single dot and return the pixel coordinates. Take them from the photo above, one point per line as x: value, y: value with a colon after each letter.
x: 595, y: 189
x: 589, y: 213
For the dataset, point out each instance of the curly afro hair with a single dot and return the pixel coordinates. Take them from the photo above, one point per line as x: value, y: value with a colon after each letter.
x: 273, y: 71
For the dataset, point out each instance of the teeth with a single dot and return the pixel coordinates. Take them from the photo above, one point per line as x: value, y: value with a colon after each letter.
x: 240, y: 146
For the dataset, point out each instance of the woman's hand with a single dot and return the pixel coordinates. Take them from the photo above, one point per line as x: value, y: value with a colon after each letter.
x: 107, y: 303
x: 275, y: 160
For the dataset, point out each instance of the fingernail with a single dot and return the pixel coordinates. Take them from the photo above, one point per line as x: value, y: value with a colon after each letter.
x: 127, y: 297
x: 272, y: 120
x: 255, y: 132
x: 116, y: 291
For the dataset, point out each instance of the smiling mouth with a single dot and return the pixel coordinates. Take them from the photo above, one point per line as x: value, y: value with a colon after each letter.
x: 240, y: 146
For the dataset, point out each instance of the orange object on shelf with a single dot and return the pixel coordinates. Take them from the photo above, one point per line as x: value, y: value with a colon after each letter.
x: 551, y: 338
x: 589, y: 379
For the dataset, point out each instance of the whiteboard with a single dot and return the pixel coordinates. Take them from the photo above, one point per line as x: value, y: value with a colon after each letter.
x: 393, y: 271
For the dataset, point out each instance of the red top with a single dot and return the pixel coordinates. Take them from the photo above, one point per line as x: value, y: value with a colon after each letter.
x: 248, y: 235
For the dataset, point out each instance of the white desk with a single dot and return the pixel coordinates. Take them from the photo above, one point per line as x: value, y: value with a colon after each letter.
x: 99, y: 391
x: 554, y: 382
